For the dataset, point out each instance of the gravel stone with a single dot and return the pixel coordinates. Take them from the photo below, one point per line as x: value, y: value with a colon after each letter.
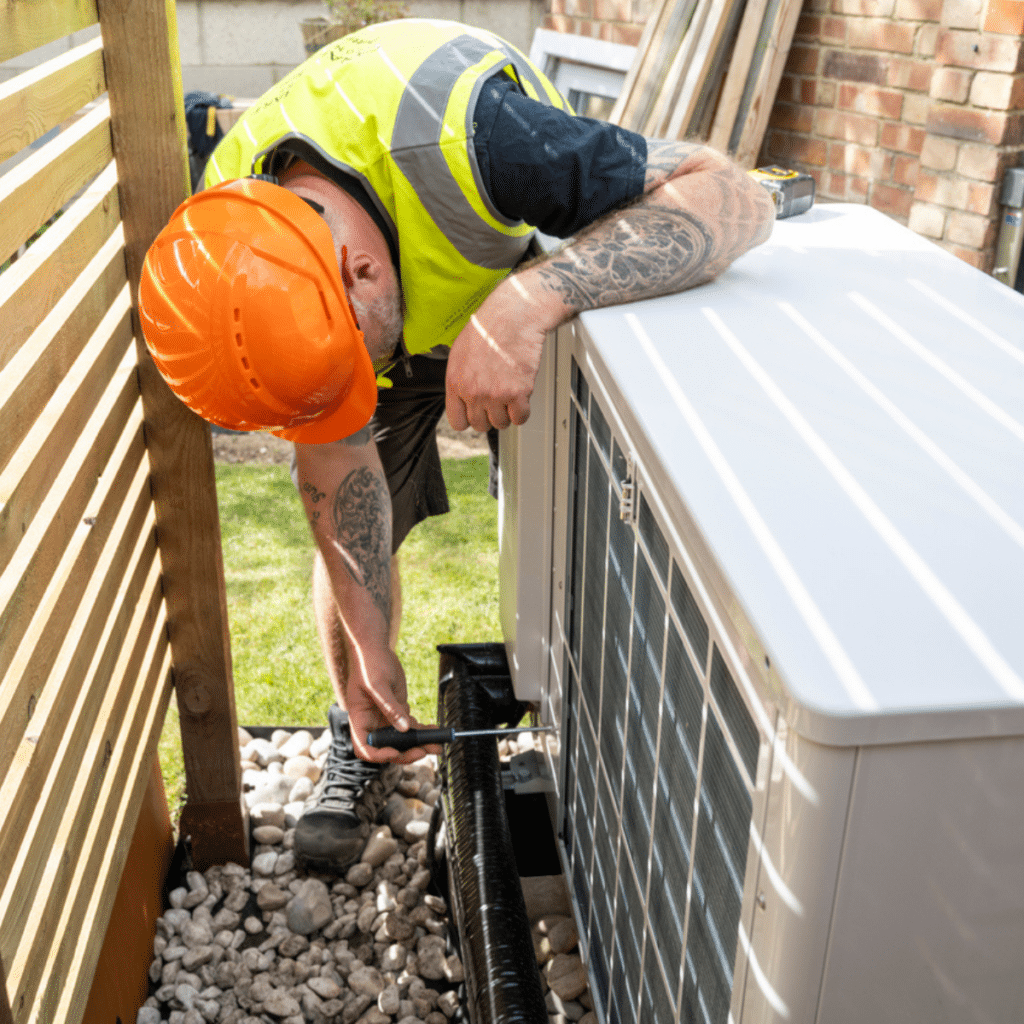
x: 311, y: 909
x: 264, y: 864
x: 358, y: 950
x: 268, y: 835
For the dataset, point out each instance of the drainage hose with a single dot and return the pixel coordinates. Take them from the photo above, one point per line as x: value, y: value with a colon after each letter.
x: 502, y: 980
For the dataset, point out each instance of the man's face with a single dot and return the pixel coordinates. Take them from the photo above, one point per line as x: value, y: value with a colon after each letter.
x: 380, y: 317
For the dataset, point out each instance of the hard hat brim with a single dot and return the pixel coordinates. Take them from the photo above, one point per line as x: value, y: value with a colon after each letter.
x: 351, y: 415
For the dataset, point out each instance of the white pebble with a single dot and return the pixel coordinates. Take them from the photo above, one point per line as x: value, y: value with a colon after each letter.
x: 321, y: 744
x: 264, y: 863
x: 297, y: 743
x: 269, y: 835
x: 176, y: 897
x: 301, y: 767
x: 253, y: 925
x: 301, y: 791
x: 267, y: 814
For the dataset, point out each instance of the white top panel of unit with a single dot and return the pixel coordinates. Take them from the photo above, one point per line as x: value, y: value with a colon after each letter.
x: 842, y: 415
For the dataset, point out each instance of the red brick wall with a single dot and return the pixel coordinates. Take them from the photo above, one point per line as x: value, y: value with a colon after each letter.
x: 913, y: 106
x: 616, y: 21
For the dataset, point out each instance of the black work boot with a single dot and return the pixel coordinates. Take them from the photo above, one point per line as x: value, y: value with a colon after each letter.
x: 351, y: 793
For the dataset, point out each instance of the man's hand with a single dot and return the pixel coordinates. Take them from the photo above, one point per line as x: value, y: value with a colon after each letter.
x: 375, y: 694
x: 494, y: 361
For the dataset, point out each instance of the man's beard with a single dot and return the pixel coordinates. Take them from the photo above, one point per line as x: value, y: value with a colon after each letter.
x: 388, y: 313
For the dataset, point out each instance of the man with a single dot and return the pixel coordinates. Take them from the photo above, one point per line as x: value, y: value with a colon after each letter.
x: 429, y: 151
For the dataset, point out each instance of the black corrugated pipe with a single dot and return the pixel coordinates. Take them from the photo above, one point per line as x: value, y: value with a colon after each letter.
x: 486, y: 897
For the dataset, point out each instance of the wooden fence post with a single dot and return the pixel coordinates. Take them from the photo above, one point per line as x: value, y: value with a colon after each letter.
x: 140, y: 48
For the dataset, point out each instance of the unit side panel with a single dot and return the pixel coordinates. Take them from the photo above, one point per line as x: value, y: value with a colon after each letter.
x: 800, y: 850
x: 665, y: 760
x: 524, y: 535
x: 929, y: 917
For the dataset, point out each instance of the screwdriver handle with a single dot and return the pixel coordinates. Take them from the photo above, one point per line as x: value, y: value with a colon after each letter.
x: 401, y: 741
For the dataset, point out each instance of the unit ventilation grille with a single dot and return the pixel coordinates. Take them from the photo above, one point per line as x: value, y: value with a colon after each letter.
x: 653, y: 718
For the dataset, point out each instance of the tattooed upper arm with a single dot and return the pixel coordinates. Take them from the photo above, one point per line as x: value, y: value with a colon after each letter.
x: 664, y: 158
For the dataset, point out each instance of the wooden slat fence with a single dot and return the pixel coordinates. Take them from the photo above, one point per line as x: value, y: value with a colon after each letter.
x: 111, y: 583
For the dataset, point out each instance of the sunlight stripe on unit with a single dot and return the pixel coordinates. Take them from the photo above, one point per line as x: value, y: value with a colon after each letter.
x: 833, y: 650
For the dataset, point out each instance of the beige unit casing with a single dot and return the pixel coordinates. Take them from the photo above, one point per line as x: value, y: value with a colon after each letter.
x: 762, y: 552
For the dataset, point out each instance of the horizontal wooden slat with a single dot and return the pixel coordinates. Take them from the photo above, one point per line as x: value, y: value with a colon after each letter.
x: 31, y: 287
x: 44, y: 582
x: 38, y: 100
x: 37, y: 461
x: 30, y: 379
x: 71, y: 964
x: 27, y: 24
x: 118, y: 745
x: 46, y: 767
x: 38, y: 187
x: 55, y: 843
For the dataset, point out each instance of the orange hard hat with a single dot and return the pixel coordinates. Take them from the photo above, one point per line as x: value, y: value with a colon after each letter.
x: 245, y: 314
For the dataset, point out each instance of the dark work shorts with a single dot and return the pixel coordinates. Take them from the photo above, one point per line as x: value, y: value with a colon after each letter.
x: 404, y: 426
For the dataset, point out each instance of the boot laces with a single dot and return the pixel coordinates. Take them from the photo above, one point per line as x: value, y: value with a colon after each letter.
x: 346, y: 777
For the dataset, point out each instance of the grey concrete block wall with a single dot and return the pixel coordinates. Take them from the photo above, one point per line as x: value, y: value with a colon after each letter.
x: 242, y: 47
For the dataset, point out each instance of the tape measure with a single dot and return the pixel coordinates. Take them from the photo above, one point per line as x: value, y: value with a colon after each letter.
x: 793, y: 191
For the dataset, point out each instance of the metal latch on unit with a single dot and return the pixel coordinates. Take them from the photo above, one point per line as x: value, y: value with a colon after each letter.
x: 627, y: 496
x: 526, y: 774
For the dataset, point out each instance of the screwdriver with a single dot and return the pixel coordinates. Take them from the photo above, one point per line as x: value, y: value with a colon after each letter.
x: 390, y: 737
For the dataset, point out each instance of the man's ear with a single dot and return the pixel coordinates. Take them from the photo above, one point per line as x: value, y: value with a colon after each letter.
x: 364, y: 266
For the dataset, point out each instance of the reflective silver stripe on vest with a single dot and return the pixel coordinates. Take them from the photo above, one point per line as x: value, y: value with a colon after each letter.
x: 414, y: 148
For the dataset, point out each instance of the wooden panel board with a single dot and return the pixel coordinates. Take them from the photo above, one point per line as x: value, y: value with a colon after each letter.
x: 662, y: 63
x: 31, y: 287
x: 748, y: 133
x: 29, y: 380
x: 38, y: 187
x: 120, y: 753
x: 38, y: 100
x: 736, y: 76
x: 37, y: 461
x: 149, y: 136
x: 75, y: 962
x: 42, y: 588
x: 45, y: 766
x: 22, y: 692
x: 52, y: 846
x: 719, y: 25
x: 685, y: 55
x: 622, y: 111
x: 26, y: 24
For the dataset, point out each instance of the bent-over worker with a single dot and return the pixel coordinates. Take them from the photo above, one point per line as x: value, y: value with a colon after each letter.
x: 362, y: 220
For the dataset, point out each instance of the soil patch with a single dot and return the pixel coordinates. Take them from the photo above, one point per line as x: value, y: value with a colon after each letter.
x: 265, y: 449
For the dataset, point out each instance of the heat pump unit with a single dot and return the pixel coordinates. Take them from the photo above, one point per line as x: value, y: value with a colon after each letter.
x: 762, y: 554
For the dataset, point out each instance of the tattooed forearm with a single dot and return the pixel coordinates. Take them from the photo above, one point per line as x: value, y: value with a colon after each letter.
x: 646, y: 251
x: 684, y: 231
x: 361, y: 512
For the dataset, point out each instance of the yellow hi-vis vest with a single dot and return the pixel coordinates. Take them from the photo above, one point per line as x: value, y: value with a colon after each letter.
x: 392, y: 106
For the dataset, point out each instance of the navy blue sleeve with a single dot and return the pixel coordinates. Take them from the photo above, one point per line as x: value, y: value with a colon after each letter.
x: 556, y: 172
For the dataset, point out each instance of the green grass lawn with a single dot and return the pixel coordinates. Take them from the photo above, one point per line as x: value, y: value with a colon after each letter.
x: 449, y: 568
